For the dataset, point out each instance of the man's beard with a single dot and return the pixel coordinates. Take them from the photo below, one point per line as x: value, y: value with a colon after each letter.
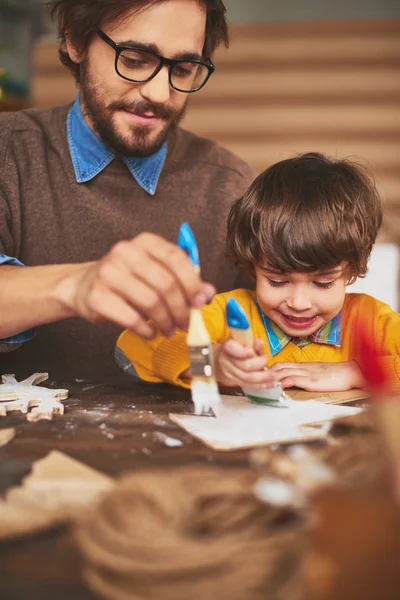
x: 138, y: 144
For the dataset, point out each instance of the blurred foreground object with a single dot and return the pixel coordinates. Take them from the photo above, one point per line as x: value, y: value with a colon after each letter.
x: 196, y: 533
x: 356, y: 547
x: 378, y: 375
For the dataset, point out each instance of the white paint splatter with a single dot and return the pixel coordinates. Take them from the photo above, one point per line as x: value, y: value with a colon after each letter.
x: 168, y: 441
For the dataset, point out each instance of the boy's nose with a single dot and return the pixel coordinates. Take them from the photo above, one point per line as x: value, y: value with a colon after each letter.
x: 299, y: 300
x: 157, y: 90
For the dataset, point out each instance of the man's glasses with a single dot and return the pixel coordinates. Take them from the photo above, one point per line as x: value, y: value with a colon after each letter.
x: 139, y: 66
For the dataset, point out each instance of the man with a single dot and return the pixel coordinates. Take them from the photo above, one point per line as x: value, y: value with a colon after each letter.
x: 75, y: 181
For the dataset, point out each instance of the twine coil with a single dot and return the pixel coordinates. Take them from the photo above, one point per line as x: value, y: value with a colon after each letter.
x: 189, y: 534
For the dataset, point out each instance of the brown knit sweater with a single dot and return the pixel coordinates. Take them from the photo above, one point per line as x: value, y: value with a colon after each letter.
x: 46, y: 217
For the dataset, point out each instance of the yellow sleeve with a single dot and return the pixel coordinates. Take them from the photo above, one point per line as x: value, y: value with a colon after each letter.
x: 389, y: 342
x: 164, y: 360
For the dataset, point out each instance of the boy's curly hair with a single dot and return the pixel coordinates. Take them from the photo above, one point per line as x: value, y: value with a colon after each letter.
x: 305, y: 214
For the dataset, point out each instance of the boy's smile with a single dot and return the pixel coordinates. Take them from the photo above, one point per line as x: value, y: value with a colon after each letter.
x: 299, y: 322
x: 301, y: 303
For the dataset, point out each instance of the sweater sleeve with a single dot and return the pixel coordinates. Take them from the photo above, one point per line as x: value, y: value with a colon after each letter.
x: 389, y: 340
x: 163, y: 359
x: 7, y: 220
x: 8, y: 187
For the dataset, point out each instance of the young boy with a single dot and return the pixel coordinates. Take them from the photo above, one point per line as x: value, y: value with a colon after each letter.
x: 304, y: 230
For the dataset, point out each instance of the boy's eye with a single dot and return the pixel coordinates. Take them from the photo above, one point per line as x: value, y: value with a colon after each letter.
x: 324, y: 285
x: 275, y: 283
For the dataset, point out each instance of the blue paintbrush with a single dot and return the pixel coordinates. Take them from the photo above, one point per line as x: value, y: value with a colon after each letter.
x: 241, y: 332
x: 205, y: 393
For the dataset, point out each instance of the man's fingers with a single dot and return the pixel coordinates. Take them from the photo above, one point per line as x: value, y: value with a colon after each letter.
x: 124, y: 269
x: 138, y: 294
x: 176, y: 260
x: 209, y: 291
x: 113, y: 308
x: 172, y: 286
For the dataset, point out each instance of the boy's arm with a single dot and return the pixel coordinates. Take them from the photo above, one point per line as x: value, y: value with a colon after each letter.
x: 161, y: 360
x: 166, y: 359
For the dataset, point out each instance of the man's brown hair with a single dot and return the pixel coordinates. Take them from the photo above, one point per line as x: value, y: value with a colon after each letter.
x: 304, y: 214
x: 80, y: 19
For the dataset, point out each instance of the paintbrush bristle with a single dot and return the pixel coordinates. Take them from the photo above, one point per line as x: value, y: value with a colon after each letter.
x: 205, y: 396
x: 205, y: 393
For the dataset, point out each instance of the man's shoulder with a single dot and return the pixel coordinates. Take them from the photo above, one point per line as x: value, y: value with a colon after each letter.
x: 207, y: 153
x: 42, y: 123
x: 31, y: 118
x: 39, y: 120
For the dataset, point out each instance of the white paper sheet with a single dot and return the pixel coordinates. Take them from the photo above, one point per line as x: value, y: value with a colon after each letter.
x: 242, y: 424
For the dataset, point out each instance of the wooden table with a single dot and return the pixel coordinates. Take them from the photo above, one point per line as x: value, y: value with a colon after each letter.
x: 112, y: 428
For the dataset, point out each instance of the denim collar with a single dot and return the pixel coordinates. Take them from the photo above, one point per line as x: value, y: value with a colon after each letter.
x: 278, y: 339
x: 90, y: 155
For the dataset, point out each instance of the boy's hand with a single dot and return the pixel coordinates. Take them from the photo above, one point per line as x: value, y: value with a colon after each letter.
x: 319, y: 376
x: 237, y: 365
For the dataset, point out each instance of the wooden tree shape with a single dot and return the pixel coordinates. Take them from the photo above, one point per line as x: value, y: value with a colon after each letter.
x: 25, y: 395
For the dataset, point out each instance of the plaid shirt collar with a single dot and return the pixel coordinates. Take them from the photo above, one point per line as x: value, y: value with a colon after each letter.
x: 278, y: 339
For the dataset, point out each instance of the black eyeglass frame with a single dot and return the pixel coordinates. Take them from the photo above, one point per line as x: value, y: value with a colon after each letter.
x: 163, y: 61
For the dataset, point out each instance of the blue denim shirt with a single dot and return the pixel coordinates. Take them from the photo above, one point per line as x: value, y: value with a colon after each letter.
x: 89, y: 157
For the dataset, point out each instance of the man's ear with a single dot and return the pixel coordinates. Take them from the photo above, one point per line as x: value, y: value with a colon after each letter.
x: 75, y: 54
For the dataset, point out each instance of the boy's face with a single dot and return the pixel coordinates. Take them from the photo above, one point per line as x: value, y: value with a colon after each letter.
x: 301, y: 303
x: 134, y: 119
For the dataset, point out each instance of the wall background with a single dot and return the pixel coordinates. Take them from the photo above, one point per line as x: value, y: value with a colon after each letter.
x: 314, y: 10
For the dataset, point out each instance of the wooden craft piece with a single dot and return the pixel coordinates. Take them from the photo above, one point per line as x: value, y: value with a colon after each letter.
x: 329, y: 397
x: 25, y: 395
x: 58, y: 489
x: 6, y: 435
x: 242, y: 424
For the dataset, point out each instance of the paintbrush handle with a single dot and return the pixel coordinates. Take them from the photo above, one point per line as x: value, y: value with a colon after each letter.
x: 197, y: 333
x: 238, y: 323
x: 243, y: 336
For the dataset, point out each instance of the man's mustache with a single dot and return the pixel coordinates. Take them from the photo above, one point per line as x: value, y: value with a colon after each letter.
x: 161, y: 111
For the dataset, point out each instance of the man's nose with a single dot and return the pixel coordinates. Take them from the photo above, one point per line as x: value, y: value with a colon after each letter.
x: 157, y: 90
x: 299, y: 299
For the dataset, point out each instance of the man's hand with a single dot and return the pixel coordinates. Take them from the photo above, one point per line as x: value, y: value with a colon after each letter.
x: 146, y: 278
x: 237, y: 365
x: 319, y: 376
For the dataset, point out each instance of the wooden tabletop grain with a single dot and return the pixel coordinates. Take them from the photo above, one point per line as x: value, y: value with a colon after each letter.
x: 113, y: 428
